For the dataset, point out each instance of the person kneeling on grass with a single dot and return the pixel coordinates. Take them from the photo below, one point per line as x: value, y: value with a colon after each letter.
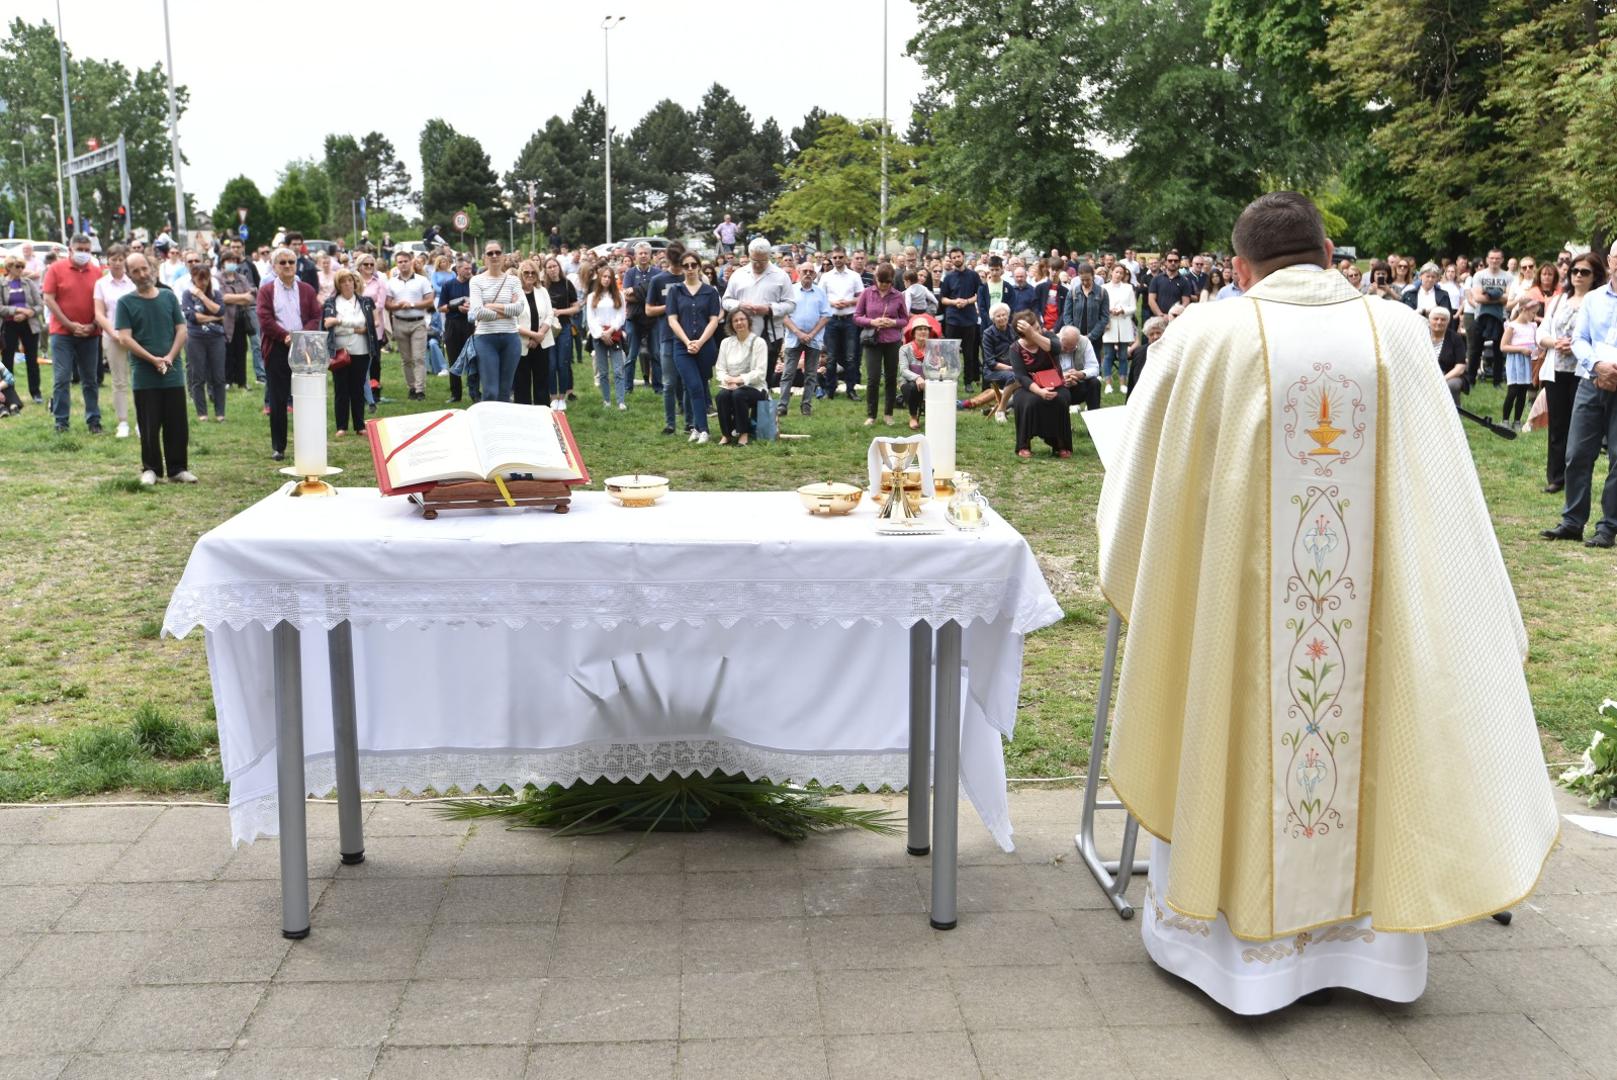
x: 921, y: 329
x: 742, y: 370
x: 1042, y: 399
x: 152, y: 327
x: 999, y: 380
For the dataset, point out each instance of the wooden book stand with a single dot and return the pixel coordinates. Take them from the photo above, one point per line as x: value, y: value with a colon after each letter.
x: 480, y: 494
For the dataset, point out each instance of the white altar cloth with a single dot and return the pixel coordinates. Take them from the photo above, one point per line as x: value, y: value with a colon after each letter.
x: 712, y: 631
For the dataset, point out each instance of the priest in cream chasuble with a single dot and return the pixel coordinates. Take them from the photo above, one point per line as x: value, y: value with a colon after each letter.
x: 1321, y: 714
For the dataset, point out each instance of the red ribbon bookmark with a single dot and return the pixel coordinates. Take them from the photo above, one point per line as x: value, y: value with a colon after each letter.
x: 389, y: 459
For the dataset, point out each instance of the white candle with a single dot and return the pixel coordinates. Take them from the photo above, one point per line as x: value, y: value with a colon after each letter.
x: 940, y: 420
x: 309, y: 424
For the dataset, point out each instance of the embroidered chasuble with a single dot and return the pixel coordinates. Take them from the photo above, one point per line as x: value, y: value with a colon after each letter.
x: 1321, y: 703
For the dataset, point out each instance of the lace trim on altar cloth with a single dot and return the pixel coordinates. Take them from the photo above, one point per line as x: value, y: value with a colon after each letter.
x: 441, y: 770
x: 312, y: 605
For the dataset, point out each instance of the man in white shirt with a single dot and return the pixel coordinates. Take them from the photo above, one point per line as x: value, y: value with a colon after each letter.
x: 1080, y: 370
x: 410, y: 297
x: 32, y: 267
x: 842, y: 286
x: 764, y: 291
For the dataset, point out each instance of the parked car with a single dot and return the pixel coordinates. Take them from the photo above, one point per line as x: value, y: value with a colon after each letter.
x: 317, y: 246
x: 41, y: 247
x: 657, y: 243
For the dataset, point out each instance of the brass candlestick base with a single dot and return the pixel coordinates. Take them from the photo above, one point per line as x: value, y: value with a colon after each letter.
x: 312, y: 484
x: 942, y: 485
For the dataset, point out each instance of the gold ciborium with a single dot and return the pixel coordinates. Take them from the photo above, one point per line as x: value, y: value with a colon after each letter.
x: 899, y: 503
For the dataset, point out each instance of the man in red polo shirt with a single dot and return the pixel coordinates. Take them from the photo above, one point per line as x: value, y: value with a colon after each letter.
x: 75, y: 339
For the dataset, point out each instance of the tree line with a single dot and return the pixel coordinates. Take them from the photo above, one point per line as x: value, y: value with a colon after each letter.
x: 1417, y: 125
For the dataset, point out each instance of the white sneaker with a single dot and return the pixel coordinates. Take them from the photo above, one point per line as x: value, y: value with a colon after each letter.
x: 623, y: 406
x: 561, y: 406
x: 123, y: 431
x: 184, y: 476
x: 148, y: 479
x: 701, y: 438
x: 1107, y: 389
x: 694, y: 434
x: 999, y: 418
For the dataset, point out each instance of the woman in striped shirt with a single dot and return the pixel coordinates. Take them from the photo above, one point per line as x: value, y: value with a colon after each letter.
x: 496, y: 305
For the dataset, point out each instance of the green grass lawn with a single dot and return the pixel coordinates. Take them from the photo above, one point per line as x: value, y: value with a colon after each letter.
x: 92, y: 701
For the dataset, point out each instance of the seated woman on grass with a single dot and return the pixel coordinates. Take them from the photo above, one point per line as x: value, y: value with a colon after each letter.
x: 999, y: 381
x: 920, y: 329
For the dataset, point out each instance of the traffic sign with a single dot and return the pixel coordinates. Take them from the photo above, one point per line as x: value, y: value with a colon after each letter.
x: 241, y: 214
x: 241, y: 231
x: 462, y: 222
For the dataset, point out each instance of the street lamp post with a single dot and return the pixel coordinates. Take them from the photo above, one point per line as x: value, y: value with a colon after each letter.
x: 61, y: 209
x: 606, y: 109
x: 67, y: 106
x: 884, y: 125
x: 27, y: 208
x: 174, y: 132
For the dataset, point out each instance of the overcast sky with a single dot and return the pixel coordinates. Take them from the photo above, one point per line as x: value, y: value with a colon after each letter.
x: 235, y: 56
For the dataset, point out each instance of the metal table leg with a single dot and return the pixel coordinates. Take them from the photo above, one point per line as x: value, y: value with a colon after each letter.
x: 920, y: 735
x: 290, y: 787
x: 345, y: 741
x: 1107, y: 872
x: 946, y: 780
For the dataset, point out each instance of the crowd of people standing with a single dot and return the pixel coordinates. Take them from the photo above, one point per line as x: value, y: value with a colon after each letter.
x: 716, y: 336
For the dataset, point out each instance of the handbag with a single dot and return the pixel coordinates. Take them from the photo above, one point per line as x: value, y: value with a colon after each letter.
x: 615, y: 338
x: 1049, y: 379
x: 1538, y: 417
x: 340, y: 359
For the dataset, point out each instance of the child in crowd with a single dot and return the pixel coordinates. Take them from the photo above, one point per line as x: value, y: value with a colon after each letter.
x: 10, y: 403
x: 1519, y: 344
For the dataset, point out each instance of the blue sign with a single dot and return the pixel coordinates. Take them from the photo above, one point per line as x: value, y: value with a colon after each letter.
x: 241, y: 230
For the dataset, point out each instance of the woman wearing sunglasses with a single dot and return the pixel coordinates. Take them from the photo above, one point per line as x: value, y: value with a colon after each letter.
x: 496, y: 306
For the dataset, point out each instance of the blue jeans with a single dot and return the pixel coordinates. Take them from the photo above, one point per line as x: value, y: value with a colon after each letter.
x: 673, y: 383
x: 70, y: 354
x: 609, y: 371
x: 561, y: 362
x: 631, y: 350
x: 654, y: 361
x: 1594, y: 419
x: 497, y: 356
x: 689, y: 370
x: 841, y: 352
x: 258, y: 354
x: 1114, y: 356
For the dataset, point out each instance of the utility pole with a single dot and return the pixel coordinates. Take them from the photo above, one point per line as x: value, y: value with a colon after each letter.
x: 27, y: 210
x: 883, y: 125
x: 173, y: 131
x: 606, y: 109
x: 56, y: 140
x: 67, y: 110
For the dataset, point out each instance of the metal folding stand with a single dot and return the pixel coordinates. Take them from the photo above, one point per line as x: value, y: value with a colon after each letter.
x: 1108, y: 872
x: 940, y: 729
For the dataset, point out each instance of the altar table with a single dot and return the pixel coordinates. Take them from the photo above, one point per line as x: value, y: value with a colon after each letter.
x: 354, y: 645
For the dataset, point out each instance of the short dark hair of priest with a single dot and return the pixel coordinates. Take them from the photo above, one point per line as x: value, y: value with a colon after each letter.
x: 1282, y: 225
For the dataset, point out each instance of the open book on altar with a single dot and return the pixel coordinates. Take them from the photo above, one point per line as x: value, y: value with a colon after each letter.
x: 492, y: 438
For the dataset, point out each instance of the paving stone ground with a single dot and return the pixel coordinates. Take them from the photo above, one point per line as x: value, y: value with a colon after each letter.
x: 135, y: 943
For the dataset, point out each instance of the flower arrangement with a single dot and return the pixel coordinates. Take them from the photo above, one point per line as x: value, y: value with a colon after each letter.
x: 1595, y: 777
